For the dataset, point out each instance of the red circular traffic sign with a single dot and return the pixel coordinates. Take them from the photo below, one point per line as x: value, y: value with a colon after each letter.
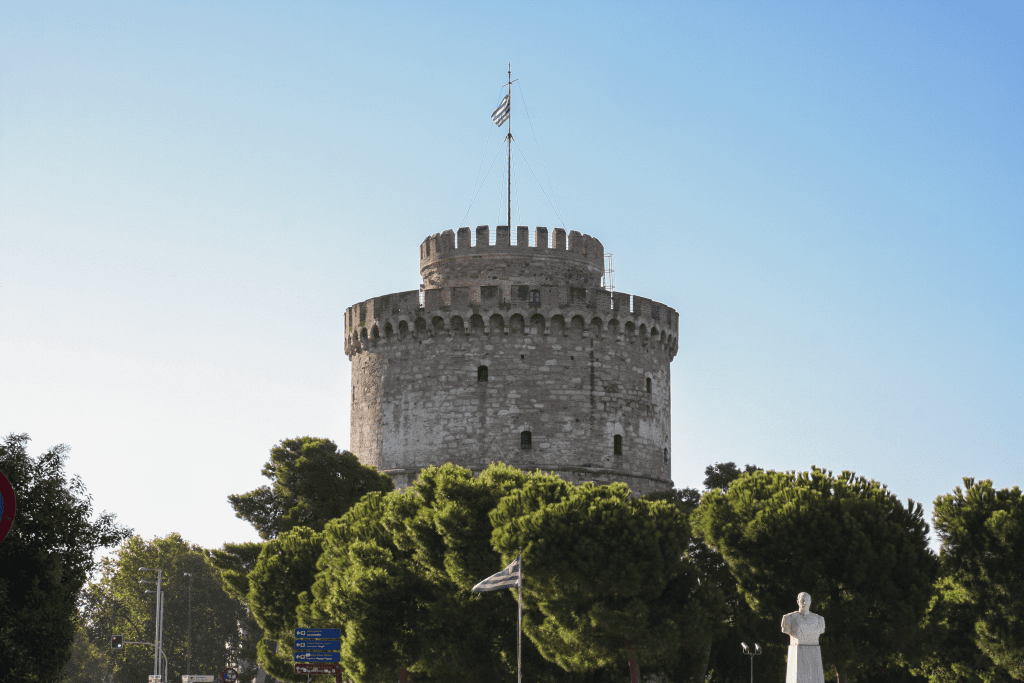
x: 7, y: 506
x: 229, y: 675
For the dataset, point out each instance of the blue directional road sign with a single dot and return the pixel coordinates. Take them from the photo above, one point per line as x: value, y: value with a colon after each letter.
x: 317, y: 644
x: 317, y: 656
x: 333, y: 633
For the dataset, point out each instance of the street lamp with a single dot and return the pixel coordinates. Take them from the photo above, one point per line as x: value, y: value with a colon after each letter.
x: 158, y: 638
x: 753, y: 653
x: 188, y: 659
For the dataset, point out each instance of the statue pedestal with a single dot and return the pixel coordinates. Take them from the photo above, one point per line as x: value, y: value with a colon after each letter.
x: 804, y: 664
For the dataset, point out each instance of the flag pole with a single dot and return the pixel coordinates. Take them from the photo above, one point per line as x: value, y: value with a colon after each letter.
x: 508, y: 139
x: 519, y: 639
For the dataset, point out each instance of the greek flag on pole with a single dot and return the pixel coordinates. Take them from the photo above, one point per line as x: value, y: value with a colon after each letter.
x: 508, y: 577
x: 501, y: 114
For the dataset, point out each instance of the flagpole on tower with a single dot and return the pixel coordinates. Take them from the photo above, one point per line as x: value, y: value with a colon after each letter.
x: 508, y: 139
x: 501, y: 116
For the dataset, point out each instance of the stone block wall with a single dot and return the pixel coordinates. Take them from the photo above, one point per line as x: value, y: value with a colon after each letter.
x: 574, y: 367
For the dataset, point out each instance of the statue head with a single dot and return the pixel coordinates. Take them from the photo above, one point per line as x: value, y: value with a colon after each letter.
x: 804, y: 602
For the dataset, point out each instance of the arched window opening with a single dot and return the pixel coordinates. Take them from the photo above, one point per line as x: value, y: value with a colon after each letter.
x: 481, y: 373
x: 617, y: 444
x: 516, y: 324
x: 526, y: 440
x: 648, y: 385
x: 666, y: 455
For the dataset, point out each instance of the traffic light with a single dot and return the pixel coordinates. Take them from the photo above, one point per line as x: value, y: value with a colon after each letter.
x: 117, y: 642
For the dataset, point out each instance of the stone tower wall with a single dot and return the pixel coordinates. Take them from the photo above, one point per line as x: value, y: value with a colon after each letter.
x: 570, y: 363
x: 447, y: 260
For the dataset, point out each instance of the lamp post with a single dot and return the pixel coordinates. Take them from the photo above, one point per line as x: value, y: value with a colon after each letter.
x: 188, y: 657
x: 158, y: 633
x: 753, y: 653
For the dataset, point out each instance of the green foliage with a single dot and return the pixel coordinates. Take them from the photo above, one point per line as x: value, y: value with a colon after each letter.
x: 976, y: 618
x: 846, y: 540
x: 395, y: 575
x: 285, y: 569
x: 88, y: 663
x: 313, y: 483
x: 721, y: 475
x: 44, y: 561
x: 235, y: 561
x: 117, y: 603
x: 606, y: 572
x: 397, y: 570
x: 740, y: 622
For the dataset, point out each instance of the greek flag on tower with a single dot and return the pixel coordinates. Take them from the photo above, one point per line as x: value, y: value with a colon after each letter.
x: 501, y: 114
x: 508, y: 577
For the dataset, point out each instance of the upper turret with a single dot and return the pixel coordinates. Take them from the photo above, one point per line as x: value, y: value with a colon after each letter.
x: 449, y: 262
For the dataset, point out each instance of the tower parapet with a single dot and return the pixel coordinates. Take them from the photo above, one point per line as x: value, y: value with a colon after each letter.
x: 555, y: 311
x: 454, y: 260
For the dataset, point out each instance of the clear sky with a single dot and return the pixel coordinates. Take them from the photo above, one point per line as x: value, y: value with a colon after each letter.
x: 191, y: 194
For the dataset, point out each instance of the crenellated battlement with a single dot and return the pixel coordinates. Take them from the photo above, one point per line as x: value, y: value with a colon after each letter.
x: 519, y: 309
x: 450, y: 259
x: 513, y: 351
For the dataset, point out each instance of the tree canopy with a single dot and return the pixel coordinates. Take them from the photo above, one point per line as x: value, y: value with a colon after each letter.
x: 45, y: 560
x: 116, y: 603
x: 721, y: 475
x: 88, y: 663
x: 976, y: 618
x: 849, y: 542
x: 286, y: 568
x: 605, y: 576
x: 722, y: 664
x: 395, y: 575
x: 608, y: 574
x: 312, y: 483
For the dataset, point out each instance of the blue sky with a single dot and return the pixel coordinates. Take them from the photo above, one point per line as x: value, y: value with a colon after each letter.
x: 191, y: 193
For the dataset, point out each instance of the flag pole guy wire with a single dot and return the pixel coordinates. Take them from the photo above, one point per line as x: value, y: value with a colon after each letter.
x: 509, y: 577
x: 543, y: 164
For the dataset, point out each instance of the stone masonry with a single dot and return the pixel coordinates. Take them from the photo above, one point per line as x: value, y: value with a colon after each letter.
x: 514, y: 353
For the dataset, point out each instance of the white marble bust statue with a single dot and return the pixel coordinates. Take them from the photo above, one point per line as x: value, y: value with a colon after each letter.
x: 803, y: 628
